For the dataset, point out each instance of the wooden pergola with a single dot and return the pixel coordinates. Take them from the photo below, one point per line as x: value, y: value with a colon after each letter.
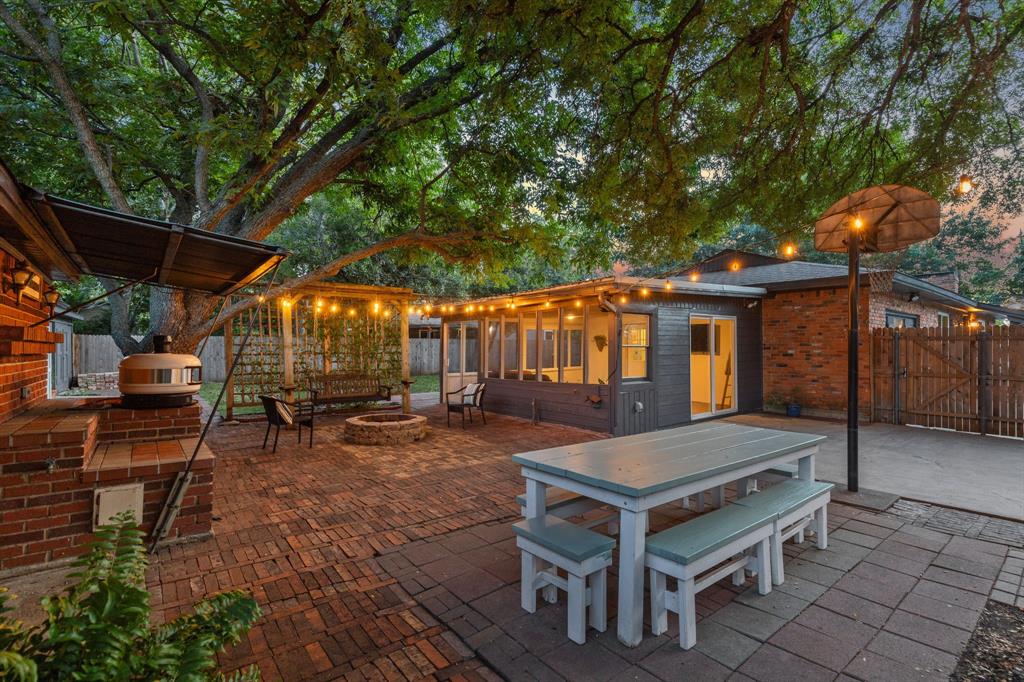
x: 321, y: 328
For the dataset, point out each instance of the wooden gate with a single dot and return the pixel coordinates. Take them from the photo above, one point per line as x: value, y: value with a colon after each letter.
x: 953, y: 378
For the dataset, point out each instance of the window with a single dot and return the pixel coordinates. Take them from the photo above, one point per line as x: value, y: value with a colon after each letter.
x: 471, y: 330
x: 894, y: 318
x: 493, y: 349
x: 511, y: 335
x: 454, y: 353
x: 572, y: 346
x: 549, y: 345
x: 635, y: 342
x: 943, y: 319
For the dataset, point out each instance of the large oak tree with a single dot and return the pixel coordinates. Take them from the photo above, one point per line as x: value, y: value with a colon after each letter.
x: 477, y: 129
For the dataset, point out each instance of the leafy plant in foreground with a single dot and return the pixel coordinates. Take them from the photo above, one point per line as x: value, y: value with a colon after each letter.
x: 99, y: 629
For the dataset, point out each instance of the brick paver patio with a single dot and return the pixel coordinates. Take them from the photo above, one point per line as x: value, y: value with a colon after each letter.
x: 393, y: 563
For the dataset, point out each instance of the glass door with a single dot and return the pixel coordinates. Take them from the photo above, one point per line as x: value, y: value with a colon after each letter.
x: 712, y: 365
x: 462, y: 354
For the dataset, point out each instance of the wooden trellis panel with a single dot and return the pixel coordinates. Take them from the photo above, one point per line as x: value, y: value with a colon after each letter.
x: 953, y: 378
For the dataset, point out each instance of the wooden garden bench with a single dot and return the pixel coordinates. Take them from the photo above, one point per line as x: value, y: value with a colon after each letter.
x: 340, y: 388
x: 692, y: 553
x: 795, y: 504
x: 548, y: 543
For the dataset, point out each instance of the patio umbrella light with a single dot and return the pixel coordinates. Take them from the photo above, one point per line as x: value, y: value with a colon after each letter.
x: 876, y: 219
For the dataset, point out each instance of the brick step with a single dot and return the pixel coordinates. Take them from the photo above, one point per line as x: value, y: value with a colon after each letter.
x: 10, y: 332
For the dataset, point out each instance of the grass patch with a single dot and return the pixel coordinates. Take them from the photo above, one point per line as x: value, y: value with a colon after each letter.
x: 426, y: 383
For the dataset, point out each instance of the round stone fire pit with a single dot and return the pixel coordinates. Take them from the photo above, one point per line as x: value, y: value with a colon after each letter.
x: 385, y: 428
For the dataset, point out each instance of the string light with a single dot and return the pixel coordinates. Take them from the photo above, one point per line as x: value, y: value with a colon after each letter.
x: 351, y: 312
x: 668, y: 285
x: 491, y: 308
x: 858, y: 223
x: 334, y: 307
x: 319, y: 303
x: 579, y: 303
x: 789, y: 250
x: 427, y: 307
x: 694, y: 276
x: 734, y: 266
x: 965, y: 185
x: 623, y: 299
x: 286, y: 303
x: 512, y: 306
x: 644, y: 291
x: 261, y: 298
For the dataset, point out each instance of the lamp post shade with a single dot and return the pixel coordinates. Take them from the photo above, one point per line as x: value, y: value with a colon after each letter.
x: 893, y: 217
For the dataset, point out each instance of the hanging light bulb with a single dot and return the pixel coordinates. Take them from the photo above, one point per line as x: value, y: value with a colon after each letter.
x: 319, y: 303
x: 261, y: 298
x: 334, y: 307
x: 623, y: 299
x: 579, y: 303
x: 668, y: 285
x: 858, y: 223
x: 491, y: 308
x: 734, y: 266
x: 965, y: 185
x: 351, y: 312
x: 789, y: 250
x: 427, y: 307
x: 512, y: 305
x: 547, y: 304
x: 644, y: 291
x: 694, y: 276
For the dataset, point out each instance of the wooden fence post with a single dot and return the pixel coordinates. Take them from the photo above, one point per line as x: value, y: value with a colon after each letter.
x: 896, y: 376
x: 229, y: 390
x: 984, y: 381
x: 406, y: 377
x: 287, y: 351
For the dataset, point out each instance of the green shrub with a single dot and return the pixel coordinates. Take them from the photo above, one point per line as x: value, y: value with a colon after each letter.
x: 99, y: 628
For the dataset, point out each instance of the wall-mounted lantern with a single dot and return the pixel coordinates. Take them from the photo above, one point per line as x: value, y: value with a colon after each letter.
x: 51, y: 296
x: 20, y: 278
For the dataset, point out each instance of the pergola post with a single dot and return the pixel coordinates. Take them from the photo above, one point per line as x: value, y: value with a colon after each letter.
x: 287, y: 351
x: 229, y: 351
x: 406, y: 377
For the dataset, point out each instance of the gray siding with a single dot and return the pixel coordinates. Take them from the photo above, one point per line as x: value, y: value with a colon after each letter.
x: 559, y: 403
x: 636, y: 408
x: 673, y: 358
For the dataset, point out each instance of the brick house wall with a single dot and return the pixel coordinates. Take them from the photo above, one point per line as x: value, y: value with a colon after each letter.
x: 804, y: 342
x: 22, y: 363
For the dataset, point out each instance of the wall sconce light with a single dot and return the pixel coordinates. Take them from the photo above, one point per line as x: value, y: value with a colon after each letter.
x: 20, y: 277
x: 914, y: 296
x: 51, y: 296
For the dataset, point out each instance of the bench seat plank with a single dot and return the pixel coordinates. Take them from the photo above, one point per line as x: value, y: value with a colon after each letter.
x: 568, y: 539
x: 783, y: 498
x: 690, y: 541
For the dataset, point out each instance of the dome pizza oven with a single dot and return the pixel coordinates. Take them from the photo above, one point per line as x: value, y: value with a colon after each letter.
x: 160, y: 378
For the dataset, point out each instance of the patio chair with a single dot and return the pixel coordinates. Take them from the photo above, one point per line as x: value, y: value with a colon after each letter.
x: 281, y: 413
x: 470, y: 396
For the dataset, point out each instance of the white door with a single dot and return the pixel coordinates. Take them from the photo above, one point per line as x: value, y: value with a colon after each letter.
x: 712, y: 365
x: 462, y: 354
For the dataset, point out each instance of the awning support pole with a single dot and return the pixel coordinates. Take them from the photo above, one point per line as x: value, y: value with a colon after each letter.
x: 173, y: 504
x: 853, y: 249
x: 54, y: 315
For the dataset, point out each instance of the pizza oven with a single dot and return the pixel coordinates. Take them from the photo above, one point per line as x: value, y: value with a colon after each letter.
x: 160, y: 378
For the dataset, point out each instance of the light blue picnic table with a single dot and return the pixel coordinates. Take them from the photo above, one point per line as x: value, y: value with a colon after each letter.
x: 636, y: 473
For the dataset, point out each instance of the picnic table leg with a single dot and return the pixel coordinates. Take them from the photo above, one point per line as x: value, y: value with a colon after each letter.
x: 805, y: 466
x: 536, y: 507
x: 631, y: 576
x: 741, y: 487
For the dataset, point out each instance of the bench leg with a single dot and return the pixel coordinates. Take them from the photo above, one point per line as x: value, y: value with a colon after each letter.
x: 685, y: 503
x: 799, y: 537
x: 531, y: 565
x: 778, y: 573
x: 577, y: 609
x: 550, y: 592
x: 599, y: 600
x: 739, y: 576
x: 745, y: 486
x: 687, y: 613
x: 659, y: 614
x: 718, y: 495
x: 700, y: 502
x: 764, y: 568
x: 821, y: 526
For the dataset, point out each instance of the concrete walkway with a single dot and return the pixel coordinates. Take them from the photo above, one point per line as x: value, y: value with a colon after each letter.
x: 978, y: 473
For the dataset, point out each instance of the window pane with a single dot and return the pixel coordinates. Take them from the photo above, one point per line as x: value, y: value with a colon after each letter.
x: 725, y: 366
x: 635, y: 339
x: 597, y: 345
x: 493, y: 349
x: 549, y: 345
x: 700, y: 365
x: 572, y: 346
x: 529, y: 323
x: 472, y: 330
x: 511, y: 349
x: 454, y: 348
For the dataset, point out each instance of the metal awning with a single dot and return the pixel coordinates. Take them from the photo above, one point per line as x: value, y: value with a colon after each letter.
x: 128, y: 247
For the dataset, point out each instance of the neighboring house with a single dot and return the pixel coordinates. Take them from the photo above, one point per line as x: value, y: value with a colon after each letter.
x: 422, y: 327
x: 626, y: 354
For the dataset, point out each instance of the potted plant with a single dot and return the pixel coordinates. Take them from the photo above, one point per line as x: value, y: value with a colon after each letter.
x: 793, y: 403
x: 774, y: 402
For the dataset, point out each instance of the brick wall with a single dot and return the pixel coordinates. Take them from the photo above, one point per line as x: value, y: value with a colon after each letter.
x: 927, y: 313
x: 805, y: 348
x: 117, y: 424
x: 22, y: 365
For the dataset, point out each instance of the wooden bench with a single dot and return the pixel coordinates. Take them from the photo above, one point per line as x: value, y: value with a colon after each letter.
x: 796, y: 504
x: 340, y: 388
x: 548, y: 543
x: 693, y: 553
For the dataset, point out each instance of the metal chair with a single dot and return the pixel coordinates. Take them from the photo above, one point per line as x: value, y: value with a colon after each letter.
x: 472, y: 396
x: 281, y: 413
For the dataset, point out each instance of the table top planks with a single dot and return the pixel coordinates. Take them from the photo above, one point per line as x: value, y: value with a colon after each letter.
x: 646, y: 463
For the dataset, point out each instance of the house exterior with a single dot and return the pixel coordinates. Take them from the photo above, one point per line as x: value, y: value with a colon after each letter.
x: 616, y: 354
x: 738, y: 333
x: 805, y: 317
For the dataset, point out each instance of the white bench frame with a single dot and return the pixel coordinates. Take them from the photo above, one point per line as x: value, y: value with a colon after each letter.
x: 683, y: 600
x: 538, y: 573
x: 813, y: 513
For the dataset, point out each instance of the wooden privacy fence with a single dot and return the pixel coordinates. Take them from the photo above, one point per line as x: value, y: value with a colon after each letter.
x: 425, y: 356
x: 99, y: 353
x: 954, y: 378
